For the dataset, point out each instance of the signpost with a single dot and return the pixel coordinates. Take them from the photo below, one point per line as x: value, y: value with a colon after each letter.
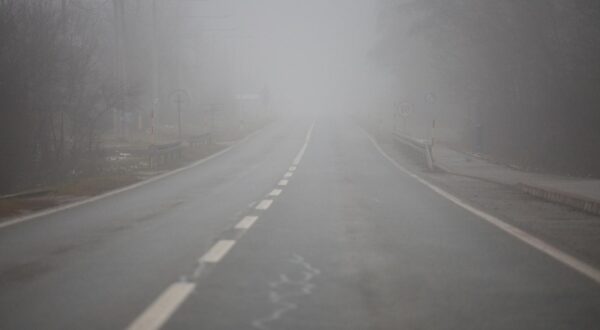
x: 430, y: 99
x: 403, y: 110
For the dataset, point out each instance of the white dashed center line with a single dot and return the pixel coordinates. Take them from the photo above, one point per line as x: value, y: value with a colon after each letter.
x: 264, y: 204
x: 155, y: 316
x: 246, y: 222
x: 218, y: 251
x: 275, y: 192
x: 161, y: 310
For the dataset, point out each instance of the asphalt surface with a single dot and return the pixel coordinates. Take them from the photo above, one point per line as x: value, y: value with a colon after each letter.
x: 349, y: 242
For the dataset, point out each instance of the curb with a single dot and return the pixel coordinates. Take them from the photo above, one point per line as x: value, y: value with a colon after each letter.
x: 576, y: 201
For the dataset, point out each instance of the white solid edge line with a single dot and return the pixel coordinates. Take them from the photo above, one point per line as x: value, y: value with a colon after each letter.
x: 157, y: 314
x: 50, y: 211
x: 246, y: 222
x: 275, y: 192
x: 566, y: 259
x: 264, y: 204
x: 283, y: 182
x: 217, y: 251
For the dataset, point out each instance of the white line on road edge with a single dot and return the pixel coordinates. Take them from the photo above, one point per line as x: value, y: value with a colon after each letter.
x: 288, y: 175
x: 535, y: 242
x: 275, y: 192
x: 264, y: 204
x: 283, y: 183
x: 218, y: 251
x: 303, y: 149
x: 50, y: 211
x: 155, y: 316
x: 246, y: 222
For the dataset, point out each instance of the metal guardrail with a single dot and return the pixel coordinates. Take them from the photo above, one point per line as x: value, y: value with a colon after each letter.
x: 199, y: 140
x: 422, y: 146
x: 163, y: 154
x: 28, y: 193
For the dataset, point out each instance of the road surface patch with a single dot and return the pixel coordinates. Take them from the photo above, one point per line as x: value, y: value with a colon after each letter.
x: 284, y: 292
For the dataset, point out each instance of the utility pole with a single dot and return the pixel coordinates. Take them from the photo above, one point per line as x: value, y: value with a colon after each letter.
x: 155, y: 78
x: 119, y: 27
x: 179, y: 101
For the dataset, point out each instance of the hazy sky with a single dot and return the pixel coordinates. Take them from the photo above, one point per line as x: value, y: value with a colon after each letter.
x: 311, y: 51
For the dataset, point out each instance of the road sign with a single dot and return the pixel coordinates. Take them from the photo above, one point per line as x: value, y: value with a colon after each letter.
x: 430, y: 98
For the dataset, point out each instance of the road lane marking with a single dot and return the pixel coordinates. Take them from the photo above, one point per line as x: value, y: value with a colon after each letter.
x: 246, y: 222
x: 303, y: 149
x: 564, y: 258
x: 218, y: 251
x: 300, y: 155
x: 264, y: 204
x: 275, y: 192
x: 155, y: 316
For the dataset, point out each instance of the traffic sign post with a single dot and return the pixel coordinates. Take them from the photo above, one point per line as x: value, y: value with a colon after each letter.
x: 403, y: 110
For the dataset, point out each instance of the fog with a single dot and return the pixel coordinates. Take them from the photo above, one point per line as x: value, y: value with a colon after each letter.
x: 311, y: 54
x: 502, y: 79
x: 299, y: 164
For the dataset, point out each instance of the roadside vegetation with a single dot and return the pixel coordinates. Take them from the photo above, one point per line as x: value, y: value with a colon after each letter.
x: 515, y: 80
x: 88, y: 92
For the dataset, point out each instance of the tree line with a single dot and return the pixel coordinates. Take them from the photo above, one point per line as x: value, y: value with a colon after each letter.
x: 79, y: 77
x: 56, y: 88
x: 520, y: 77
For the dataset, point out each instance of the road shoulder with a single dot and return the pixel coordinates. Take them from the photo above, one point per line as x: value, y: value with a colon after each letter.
x: 569, y: 230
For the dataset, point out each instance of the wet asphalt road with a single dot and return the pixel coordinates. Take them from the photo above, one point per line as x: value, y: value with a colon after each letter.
x: 348, y: 242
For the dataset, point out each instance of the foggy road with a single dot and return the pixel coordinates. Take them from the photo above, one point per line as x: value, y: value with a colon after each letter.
x: 303, y: 226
